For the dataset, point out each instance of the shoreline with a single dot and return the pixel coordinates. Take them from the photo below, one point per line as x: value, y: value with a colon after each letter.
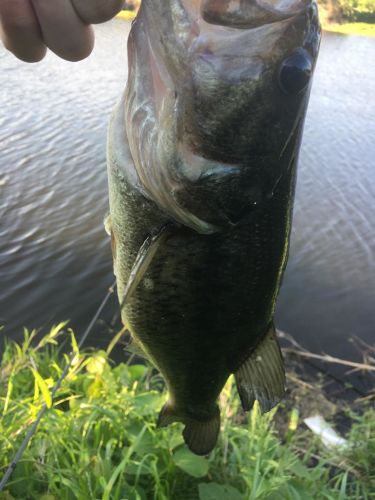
x: 356, y: 29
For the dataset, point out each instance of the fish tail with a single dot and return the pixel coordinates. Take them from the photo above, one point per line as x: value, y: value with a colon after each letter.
x: 262, y: 376
x: 200, y: 435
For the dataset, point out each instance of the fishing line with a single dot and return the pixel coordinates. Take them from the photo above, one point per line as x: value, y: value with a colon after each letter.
x: 57, y: 386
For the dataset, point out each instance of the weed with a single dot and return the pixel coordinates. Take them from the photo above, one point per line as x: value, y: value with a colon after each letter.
x: 99, y: 439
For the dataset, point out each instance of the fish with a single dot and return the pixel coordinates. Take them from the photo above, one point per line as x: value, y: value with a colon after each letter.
x: 203, y: 147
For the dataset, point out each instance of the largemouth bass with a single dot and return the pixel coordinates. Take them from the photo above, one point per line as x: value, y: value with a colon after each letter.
x: 204, y: 143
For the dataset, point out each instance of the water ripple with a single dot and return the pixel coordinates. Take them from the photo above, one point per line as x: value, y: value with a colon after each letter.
x: 55, y: 259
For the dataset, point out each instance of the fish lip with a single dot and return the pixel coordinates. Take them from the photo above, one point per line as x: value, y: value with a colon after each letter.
x: 263, y: 15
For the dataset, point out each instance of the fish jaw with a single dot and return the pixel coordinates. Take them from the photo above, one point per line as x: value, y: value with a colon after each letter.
x: 207, y: 117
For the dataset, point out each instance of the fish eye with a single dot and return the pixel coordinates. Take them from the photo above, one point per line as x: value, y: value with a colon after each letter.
x: 295, y: 72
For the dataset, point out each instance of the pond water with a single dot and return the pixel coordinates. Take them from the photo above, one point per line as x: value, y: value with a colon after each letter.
x: 55, y: 260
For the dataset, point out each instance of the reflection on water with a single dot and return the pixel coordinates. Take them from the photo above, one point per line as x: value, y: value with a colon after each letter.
x: 55, y: 260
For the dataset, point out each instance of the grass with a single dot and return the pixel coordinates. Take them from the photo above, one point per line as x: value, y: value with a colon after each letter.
x: 360, y: 29
x: 99, y: 440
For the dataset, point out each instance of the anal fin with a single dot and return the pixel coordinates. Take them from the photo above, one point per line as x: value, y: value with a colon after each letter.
x: 262, y: 376
x: 168, y: 415
x: 200, y: 436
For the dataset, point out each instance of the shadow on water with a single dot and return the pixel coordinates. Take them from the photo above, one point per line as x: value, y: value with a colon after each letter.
x: 55, y: 260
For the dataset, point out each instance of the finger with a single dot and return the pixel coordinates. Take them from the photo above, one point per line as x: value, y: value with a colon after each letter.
x: 20, y: 31
x: 97, y: 11
x: 63, y: 31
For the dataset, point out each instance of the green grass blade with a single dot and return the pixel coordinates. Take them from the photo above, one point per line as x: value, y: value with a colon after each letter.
x: 43, y: 388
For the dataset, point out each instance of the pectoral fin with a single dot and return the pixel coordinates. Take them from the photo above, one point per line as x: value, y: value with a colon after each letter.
x: 107, y: 224
x: 109, y: 231
x: 262, y: 375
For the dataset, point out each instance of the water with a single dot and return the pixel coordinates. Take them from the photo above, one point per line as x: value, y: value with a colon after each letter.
x: 329, y: 288
x: 55, y: 259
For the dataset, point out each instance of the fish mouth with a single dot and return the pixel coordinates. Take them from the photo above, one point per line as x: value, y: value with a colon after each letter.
x: 245, y: 14
x: 201, y: 87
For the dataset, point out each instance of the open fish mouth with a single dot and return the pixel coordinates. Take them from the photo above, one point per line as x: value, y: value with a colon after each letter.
x: 216, y: 90
x: 245, y: 14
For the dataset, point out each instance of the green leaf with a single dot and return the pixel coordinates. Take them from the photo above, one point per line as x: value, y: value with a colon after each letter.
x: 175, y: 439
x: 43, y: 388
x: 148, y: 402
x: 9, y: 392
x: 342, y: 494
x: 97, y: 363
x: 137, y: 371
x: 133, y: 428
x: 73, y: 341
x: 146, y: 444
x: 122, y: 374
x: 298, y: 469
x: 36, y: 391
x: 94, y: 390
x: 215, y: 491
x: 191, y: 464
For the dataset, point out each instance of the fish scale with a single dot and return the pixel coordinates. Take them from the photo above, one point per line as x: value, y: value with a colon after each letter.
x: 221, y: 179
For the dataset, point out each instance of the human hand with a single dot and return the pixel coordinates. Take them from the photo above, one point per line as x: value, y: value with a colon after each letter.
x: 29, y: 27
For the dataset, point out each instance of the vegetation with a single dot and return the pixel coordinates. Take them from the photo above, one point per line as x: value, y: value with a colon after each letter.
x: 99, y: 440
x: 350, y: 17
x: 358, y: 10
x: 362, y: 29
